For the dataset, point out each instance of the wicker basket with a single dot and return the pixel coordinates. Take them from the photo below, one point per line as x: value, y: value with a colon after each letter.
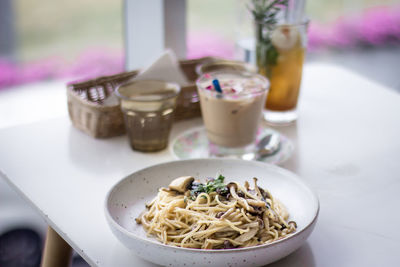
x: 87, y: 113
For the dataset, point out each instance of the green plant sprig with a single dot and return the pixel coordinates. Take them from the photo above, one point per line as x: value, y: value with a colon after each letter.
x: 265, y: 11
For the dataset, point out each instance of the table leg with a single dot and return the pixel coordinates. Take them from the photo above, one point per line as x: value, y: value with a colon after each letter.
x: 56, y: 251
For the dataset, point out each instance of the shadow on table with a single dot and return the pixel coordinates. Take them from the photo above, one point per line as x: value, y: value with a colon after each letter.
x: 303, y: 257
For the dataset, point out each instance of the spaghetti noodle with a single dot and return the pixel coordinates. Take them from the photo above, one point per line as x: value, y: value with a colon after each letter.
x: 215, y: 215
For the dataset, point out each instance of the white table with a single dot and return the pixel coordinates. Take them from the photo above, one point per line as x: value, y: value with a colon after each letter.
x: 347, y: 148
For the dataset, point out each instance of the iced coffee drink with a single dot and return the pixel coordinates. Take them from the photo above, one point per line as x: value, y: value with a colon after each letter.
x: 231, y: 105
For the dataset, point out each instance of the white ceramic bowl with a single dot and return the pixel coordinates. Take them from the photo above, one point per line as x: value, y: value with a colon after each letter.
x: 126, y: 200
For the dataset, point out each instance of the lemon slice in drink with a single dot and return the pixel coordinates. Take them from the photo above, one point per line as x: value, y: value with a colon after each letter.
x: 285, y: 37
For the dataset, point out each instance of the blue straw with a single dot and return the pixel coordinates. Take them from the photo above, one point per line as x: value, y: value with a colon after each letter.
x: 217, y: 86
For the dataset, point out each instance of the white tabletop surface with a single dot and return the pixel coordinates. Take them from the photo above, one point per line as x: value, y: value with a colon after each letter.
x: 347, y: 148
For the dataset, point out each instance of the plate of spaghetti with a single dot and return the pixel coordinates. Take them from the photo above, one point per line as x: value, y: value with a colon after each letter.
x: 215, y: 212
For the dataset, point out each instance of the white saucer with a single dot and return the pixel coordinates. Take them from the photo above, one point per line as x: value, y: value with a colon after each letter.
x: 193, y: 144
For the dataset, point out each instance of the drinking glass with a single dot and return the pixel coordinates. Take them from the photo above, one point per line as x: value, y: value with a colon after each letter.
x: 232, y: 117
x: 148, y: 108
x: 280, y: 52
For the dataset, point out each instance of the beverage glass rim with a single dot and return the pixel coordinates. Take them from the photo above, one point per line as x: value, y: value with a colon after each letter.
x: 304, y: 22
x: 173, y: 85
x: 227, y: 63
x: 262, y: 89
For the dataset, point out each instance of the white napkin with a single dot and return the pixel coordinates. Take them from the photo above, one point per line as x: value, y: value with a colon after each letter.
x: 165, y: 68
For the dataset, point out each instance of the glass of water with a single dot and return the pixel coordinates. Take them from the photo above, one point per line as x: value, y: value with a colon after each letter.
x: 148, y: 107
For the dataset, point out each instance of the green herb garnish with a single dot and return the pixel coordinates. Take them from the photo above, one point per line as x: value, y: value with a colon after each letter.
x: 214, y: 185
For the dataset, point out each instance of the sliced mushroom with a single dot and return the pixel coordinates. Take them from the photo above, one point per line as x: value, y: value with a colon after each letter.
x: 266, y: 221
x: 247, y: 236
x: 256, y: 203
x: 292, y: 223
x: 228, y: 244
x: 232, y: 184
x: 249, y: 225
x: 266, y: 195
x: 226, y: 233
x: 257, y: 211
x: 242, y: 202
x: 260, y: 222
x: 181, y: 184
x: 246, y: 185
x: 256, y: 188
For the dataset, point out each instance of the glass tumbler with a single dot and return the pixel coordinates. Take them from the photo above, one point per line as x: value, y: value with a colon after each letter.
x: 148, y: 107
x: 232, y: 112
x: 280, y: 52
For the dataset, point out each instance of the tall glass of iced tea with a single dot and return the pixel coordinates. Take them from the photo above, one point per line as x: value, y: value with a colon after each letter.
x: 280, y: 53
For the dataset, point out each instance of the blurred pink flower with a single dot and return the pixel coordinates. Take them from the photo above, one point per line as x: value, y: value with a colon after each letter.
x: 8, y: 73
x: 375, y: 26
x: 90, y: 64
x: 380, y: 25
x: 95, y: 62
x: 318, y: 36
x: 12, y: 74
